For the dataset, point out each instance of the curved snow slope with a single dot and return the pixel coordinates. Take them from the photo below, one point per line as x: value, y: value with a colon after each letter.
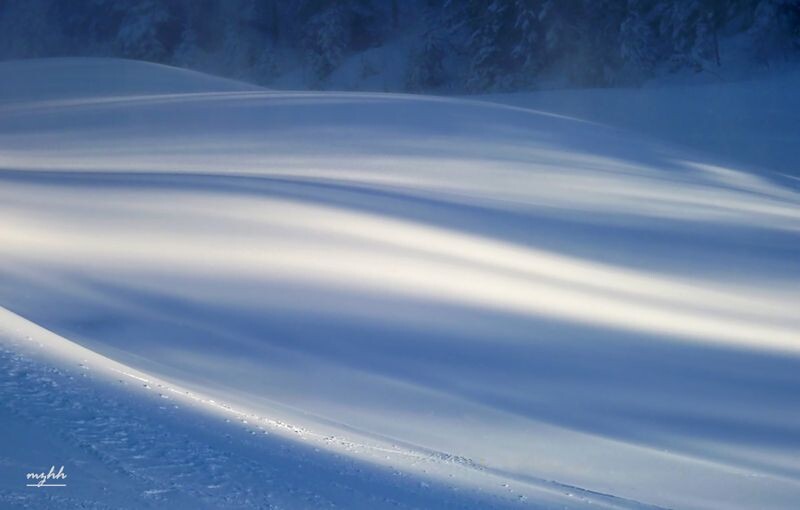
x: 129, y: 440
x: 544, y: 297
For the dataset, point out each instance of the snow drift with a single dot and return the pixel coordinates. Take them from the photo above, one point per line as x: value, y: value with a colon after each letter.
x: 541, y: 297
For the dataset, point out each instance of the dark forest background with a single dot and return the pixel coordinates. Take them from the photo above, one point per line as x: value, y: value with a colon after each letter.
x: 417, y: 45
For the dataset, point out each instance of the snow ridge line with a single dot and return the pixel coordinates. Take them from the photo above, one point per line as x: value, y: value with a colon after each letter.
x: 419, y: 453
x: 150, y: 461
x: 257, y: 423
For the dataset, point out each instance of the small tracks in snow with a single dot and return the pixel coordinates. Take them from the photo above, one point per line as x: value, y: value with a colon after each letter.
x: 171, y: 465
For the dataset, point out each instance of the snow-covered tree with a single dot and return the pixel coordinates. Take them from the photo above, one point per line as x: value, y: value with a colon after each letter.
x: 491, y: 20
x: 326, y: 40
x: 144, y: 32
x: 775, y: 29
x: 640, y: 46
x: 426, y: 63
x: 525, y: 49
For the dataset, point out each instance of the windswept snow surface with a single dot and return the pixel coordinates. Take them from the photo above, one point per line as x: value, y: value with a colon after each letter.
x: 393, y: 301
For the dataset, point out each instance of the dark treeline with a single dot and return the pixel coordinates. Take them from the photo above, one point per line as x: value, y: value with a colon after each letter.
x: 465, y: 45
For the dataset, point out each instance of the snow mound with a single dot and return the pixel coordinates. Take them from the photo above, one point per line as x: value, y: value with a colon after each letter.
x: 74, y: 78
x: 529, y: 305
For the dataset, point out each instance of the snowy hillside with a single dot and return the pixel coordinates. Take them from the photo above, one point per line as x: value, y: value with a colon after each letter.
x: 219, y: 296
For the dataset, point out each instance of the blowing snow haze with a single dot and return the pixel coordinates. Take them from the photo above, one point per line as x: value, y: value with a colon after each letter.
x: 239, y: 270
